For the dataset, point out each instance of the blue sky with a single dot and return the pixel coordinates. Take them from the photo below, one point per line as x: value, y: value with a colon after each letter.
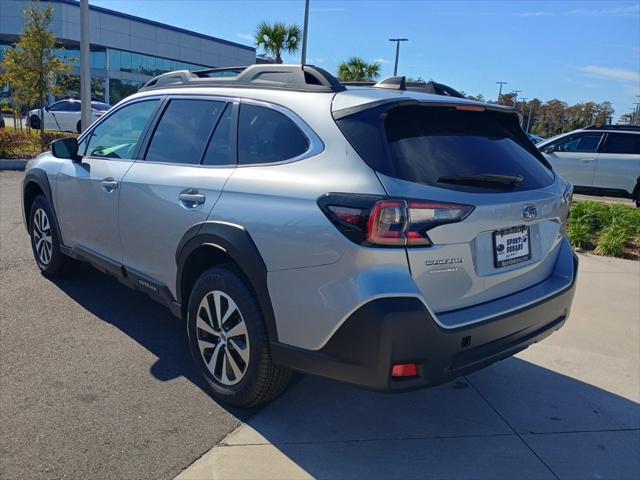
x: 575, y: 51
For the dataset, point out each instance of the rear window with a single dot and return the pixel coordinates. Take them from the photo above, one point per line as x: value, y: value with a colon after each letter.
x: 622, y: 143
x: 424, y: 144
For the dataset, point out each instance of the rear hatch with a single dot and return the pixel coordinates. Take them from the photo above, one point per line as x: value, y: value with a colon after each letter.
x: 469, y: 155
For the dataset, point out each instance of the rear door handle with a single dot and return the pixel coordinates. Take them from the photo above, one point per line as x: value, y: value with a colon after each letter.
x: 109, y: 184
x: 192, y: 199
x: 587, y: 160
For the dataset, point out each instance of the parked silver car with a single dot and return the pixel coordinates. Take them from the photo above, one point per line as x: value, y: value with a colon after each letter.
x: 379, y: 236
x: 598, y: 160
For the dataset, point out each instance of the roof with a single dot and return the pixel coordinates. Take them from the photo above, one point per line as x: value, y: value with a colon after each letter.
x: 156, y: 24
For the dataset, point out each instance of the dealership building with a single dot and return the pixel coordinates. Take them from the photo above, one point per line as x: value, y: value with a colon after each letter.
x: 126, y: 51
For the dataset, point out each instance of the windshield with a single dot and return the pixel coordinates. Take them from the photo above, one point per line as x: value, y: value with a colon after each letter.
x: 427, y: 145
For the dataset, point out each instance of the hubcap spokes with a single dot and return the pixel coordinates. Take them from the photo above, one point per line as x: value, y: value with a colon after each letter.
x: 42, y: 236
x: 222, y: 337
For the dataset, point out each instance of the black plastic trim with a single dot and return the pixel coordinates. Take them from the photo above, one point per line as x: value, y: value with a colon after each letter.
x: 236, y: 242
x: 39, y: 177
x: 390, y: 331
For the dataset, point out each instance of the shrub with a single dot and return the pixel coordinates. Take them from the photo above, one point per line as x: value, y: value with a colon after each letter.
x: 612, y: 228
x: 12, y: 142
x: 50, y: 136
x: 612, y: 241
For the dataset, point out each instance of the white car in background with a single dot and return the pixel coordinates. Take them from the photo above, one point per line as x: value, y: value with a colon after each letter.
x: 598, y: 160
x: 64, y: 115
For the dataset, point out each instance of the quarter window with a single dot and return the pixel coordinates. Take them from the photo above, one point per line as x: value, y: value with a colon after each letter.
x: 119, y: 134
x: 622, y: 143
x: 266, y: 136
x: 183, y: 131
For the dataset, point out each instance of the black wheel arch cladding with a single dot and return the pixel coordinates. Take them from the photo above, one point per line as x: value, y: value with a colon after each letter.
x: 236, y: 244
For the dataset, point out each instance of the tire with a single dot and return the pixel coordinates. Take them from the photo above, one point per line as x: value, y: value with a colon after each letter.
x: 45, y: 241
x: 34, y: 122
x: 234, y: 358
x: 79, y: 126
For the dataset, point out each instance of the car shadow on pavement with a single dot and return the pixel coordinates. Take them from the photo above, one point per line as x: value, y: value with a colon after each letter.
x: 147, y: 322
x: 514, y: 416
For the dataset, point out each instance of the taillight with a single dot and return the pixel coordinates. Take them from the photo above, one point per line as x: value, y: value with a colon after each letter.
x: 389, y: 222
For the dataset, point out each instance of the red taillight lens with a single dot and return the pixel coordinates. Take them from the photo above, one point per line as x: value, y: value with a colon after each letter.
x: 368, y: 220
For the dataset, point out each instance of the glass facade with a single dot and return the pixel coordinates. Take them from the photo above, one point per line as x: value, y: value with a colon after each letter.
x: 123, y: 61
x: 114, y: 68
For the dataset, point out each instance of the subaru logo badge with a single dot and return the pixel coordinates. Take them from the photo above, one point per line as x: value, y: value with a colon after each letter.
x: 530, y: 212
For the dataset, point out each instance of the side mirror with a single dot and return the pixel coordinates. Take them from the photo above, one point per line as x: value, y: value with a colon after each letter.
x: 550, y: 149
x: 46, y: 108
x: 66, y: 148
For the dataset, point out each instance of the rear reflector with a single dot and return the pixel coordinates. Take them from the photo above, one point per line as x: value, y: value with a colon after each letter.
x: 404, y: 370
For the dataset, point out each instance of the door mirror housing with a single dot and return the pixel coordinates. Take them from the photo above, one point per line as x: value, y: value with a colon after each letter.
x: 46, y: 108
x: 66, y: 148
x: 549, y: 149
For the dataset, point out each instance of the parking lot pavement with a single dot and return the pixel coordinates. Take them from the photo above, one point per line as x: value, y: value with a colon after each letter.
x: 566, y: 408
x: 95, y: 380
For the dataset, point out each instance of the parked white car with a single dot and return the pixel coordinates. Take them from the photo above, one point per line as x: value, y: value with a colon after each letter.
x: 64, y: 115
x: 598, y: 160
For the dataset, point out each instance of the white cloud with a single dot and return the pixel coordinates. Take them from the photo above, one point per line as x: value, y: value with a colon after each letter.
x: 613, y: 11
x: 382, y: 60
x: 615, y: 74
x: 246, y: 36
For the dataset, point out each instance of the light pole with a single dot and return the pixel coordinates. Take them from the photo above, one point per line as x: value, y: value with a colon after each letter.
x: 500, y: 91
x: 304, y: 32
x: 515, y: 97
x: 397, y: 40
x: 523, y: 100
x: 85, y: 67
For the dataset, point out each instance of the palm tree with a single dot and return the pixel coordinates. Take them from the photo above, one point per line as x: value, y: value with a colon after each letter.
x: 277, y: 38
x: 357, y: 70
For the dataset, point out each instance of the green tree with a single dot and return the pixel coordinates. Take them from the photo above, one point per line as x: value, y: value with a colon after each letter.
x: 31, y: 66
x: 278, y: 38
x: 357, y: 70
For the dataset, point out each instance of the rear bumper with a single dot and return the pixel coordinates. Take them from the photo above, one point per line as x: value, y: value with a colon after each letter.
x: 390, y: 331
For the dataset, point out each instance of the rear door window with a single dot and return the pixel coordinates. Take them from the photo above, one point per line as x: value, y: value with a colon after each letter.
x: 267, y: 136
x: 183, y: 131
x: 219, y: 151
x: 625, y: 143
x: 427, y: 144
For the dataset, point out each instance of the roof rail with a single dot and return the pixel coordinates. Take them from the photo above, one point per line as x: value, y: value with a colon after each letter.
x: 400, y: 83
x: 308, y: 78
x: 598, y: 126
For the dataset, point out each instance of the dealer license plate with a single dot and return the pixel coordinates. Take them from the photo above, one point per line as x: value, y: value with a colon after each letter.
x: 511, y: 246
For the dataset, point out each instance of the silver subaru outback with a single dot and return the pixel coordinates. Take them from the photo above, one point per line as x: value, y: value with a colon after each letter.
x: 381, y: 236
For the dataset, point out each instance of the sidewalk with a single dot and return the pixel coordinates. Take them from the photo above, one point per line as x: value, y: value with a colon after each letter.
x: 565, y: 408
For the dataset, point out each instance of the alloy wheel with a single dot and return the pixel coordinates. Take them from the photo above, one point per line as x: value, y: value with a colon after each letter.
x: 222, y: 337
x: 42, y: 239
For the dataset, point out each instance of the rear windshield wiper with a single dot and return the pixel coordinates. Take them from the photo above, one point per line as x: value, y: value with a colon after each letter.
x: 487, y: 180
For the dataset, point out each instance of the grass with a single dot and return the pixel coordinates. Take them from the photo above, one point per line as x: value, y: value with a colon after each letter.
x: 606, y: 229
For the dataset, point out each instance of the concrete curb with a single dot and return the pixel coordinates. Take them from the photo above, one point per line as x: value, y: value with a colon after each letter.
x: 15, y: 164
